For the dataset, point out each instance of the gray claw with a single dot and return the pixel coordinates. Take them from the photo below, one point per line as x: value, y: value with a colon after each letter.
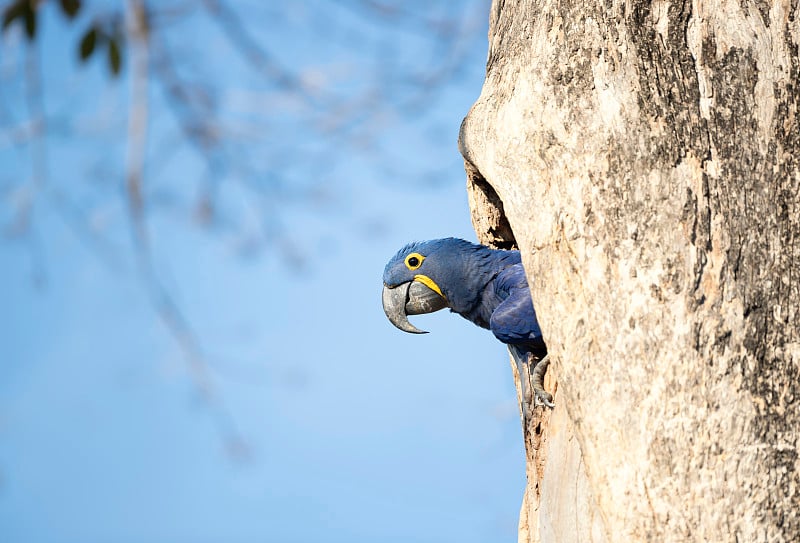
x: 540, y: 395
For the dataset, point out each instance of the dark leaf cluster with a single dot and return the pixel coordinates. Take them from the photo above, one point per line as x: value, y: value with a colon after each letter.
x: 22, y: 12
x: 103, y: 34
x: 107, y: 34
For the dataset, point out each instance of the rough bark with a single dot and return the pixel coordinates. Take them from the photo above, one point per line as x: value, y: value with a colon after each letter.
x: 645, y: 158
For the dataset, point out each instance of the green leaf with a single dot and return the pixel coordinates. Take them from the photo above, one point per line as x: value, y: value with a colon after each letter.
x: 114, y: 56
x: 70, y: 7
x: 88, y: 41
x: 30, y: 20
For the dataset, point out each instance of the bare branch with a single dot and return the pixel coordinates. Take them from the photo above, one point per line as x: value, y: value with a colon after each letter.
x: 253, y: 52
x: 137, y: 120
x: 166, y: 307
x: 24, y: 224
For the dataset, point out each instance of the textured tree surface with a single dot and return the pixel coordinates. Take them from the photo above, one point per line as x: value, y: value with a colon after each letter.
x: 645, y: 158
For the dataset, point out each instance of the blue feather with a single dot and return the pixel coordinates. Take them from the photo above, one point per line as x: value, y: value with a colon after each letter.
x: 486, y: 286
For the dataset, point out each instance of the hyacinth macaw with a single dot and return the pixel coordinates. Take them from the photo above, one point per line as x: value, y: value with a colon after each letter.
x: 486, y: 286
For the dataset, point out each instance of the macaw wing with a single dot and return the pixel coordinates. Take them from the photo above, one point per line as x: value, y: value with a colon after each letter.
x: 514, y: 320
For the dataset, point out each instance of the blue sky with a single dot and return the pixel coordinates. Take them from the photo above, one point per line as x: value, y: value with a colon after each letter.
x: 355, y: 431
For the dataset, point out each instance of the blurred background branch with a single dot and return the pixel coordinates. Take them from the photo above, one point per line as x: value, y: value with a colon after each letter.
x: 234, y: 100
x: 269, y: 97
x: 197, y: 199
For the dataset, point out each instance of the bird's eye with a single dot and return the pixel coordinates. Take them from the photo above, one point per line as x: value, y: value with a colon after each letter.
x: 414, y: 261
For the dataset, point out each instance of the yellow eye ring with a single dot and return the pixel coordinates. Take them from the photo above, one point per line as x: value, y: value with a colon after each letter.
x: 414, y: 261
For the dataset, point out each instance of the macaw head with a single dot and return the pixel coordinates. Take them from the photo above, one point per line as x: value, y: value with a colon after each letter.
x: 417, y: 278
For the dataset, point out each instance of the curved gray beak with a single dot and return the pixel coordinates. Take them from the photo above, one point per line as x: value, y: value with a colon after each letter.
x: 410, y: 298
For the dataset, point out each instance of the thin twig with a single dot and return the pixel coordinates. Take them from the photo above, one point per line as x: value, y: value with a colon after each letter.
x: 24, y: 222
x: 137, y: 123
x: 252, y: 51
x: 166, y: 307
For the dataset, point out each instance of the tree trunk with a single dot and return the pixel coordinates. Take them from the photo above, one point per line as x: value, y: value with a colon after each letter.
x: 645, y: 158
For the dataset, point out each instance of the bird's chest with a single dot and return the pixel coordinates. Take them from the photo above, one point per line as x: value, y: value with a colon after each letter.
x: 484, y: 305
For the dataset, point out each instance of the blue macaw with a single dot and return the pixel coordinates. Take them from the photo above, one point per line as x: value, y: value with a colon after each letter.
x: 486, y: 286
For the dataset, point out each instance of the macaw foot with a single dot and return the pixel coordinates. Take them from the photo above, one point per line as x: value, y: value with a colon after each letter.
x: 540, y: 395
